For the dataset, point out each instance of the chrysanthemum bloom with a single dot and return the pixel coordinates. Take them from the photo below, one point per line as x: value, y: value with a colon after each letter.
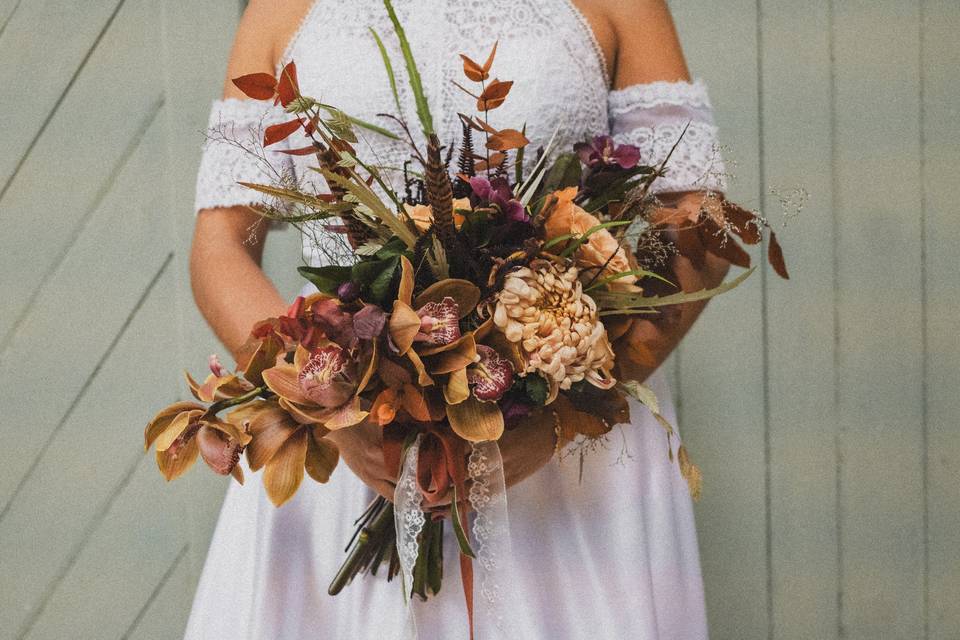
x: 543, y: 308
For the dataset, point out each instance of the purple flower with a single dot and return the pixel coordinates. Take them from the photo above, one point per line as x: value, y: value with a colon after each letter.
x: 497, y: 192
x: 602, y: 152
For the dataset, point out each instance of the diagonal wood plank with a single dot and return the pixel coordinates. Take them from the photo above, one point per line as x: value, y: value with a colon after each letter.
x: 121, y: 268
x: 721, y: 362
x: 800, y: 331
x: 126, y: 557
x: 72, y: 164
x: 89, y: 461
x: 33, y: 91
x: 941, y: 153
x: 879, y: 364
x: 164, y: 614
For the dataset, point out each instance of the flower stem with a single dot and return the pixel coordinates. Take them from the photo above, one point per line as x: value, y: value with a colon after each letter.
x: 219, y: 406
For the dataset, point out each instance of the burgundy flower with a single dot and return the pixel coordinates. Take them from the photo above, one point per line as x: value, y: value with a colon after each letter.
x: 603, y: 152
x: 325, y: 378
x: 497, y: 192
x: 491, y: 376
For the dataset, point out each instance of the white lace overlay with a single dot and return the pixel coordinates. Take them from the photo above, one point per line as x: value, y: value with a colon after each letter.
x: 491, y: 539
x: 653, y: 118
x: 409, y: 521
x: 233, y: 152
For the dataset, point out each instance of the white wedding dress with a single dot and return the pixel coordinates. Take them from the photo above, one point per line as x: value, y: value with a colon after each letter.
x: 614, y: 556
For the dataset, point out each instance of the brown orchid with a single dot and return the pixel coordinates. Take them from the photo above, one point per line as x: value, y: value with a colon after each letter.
x: 321, y: 386
x: 284, y: 448
x: 185, y: 430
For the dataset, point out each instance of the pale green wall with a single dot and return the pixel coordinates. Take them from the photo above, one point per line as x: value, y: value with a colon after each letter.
x: 823, y: 410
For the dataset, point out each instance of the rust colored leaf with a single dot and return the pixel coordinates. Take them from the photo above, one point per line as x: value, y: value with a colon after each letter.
x: 743, y: 221
x: 723, y: 245
x: 496, y: 159
x: 287, y: 88
x: 507, y: 139
x: 476, y: 72
x: 302, y: 151
x: 775, y: 255
x: 277, y: 132
x: 690, y: 246
x: 494, y: 95
x: 259, y: 86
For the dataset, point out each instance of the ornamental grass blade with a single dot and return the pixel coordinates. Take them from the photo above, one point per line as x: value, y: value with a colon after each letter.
x: 391, y: 76
x: 416, y: 86
x: 462, y: 540
x: 367, y: 197
x: 613, y: 303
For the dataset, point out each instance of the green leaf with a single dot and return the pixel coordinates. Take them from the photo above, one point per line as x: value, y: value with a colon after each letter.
x: 376, y: 276
x: 518, y: 163
x: 640, y: 273
x: 458, y: 527
x: 537, y: 389
x: 423, y: 108
x: 328, y: 278
x: 614, y: 303
x: 527, y: 190
x: 390, y: 75
x: 565, y: 172
x: 372, y: 127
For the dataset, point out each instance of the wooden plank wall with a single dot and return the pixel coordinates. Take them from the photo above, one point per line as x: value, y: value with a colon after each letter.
x: 822, y: 410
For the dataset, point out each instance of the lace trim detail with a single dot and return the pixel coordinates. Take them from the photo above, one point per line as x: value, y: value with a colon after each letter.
x: 234, y: 152
x: 695, y: 164
x: 655, y: 94
x: 592, y: 37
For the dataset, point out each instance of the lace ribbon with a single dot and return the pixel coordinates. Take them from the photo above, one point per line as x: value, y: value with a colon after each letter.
x: 490, y: 533
x: 409, y: 520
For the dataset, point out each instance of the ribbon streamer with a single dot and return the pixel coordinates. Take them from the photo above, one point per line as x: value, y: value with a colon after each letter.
x: 491, y: 535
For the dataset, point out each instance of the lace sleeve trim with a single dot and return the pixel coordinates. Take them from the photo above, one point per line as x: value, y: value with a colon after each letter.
x: 653, y: 117
x: 234, y: 153
x: 656, y: 94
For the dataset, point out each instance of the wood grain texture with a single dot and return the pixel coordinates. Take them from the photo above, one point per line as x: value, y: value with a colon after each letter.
x: 802, y: 419
x: 721, y: 361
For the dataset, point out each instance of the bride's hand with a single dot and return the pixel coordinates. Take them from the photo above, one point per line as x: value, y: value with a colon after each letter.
x: 361, y: 447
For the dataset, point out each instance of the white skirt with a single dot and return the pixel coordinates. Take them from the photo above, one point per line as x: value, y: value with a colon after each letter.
x: 614, y: 556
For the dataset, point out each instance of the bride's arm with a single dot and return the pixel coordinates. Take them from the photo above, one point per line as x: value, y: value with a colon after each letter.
x: 229, y: 287
x: 648, y: 50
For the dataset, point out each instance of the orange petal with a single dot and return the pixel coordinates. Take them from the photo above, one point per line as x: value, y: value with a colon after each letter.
x: 238, y: 433
x: 322, y: 458
x: 163, y: 419
x: 237, y: 473
x: 346, y: 416
x: 305, y: 415
x: 193, y: 384
x: 172, y: 465
x: 283, y: 475
x: 464, y: 293
x: 270, y: 428
x: 175, y: 428
x: 456, y: 390
x: 283, y: 380
x: 423, y: 379
x: 460, y: 354
x: 300, y: 357
x: 415, y: 404
x: 384, y: 408
x: 476, y: 421
x: 405, y: 293
x: 404, y: 326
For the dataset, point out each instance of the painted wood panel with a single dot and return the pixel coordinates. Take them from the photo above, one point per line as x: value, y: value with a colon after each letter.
x: 721, y: 366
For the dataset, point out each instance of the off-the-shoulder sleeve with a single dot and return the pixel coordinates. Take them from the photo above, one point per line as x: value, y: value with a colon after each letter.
x: 652, y: 116
x: 233, y: 153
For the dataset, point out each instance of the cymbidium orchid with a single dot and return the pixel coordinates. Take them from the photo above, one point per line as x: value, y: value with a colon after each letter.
x: 602, y: 151
x: 284, y: 447
x: 184, y: 430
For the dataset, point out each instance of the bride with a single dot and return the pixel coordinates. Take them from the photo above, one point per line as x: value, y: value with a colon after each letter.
x: 614, y: 556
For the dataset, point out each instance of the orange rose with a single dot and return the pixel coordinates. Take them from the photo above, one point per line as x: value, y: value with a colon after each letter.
x: 565, y: 217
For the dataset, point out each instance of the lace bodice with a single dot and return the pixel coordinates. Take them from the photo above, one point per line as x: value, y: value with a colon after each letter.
x: 545, y: 46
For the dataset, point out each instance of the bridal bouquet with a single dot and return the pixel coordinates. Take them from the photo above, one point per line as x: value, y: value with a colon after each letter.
x: 494, y: 289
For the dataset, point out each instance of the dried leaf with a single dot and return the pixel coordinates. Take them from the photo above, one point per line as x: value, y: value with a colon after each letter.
x: 494, y: 95
x: 259, y: 86
x: 496, y: 159
x: 507, y: 139
x: 287, y: 88
x: 744, y: 222
x: 415, y: 404
x: 277, y: 132
x: 690, y: 472
x: 302, y: 151
x: 476, y: 72
x: 476, y: 421
x: 775, y: 255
